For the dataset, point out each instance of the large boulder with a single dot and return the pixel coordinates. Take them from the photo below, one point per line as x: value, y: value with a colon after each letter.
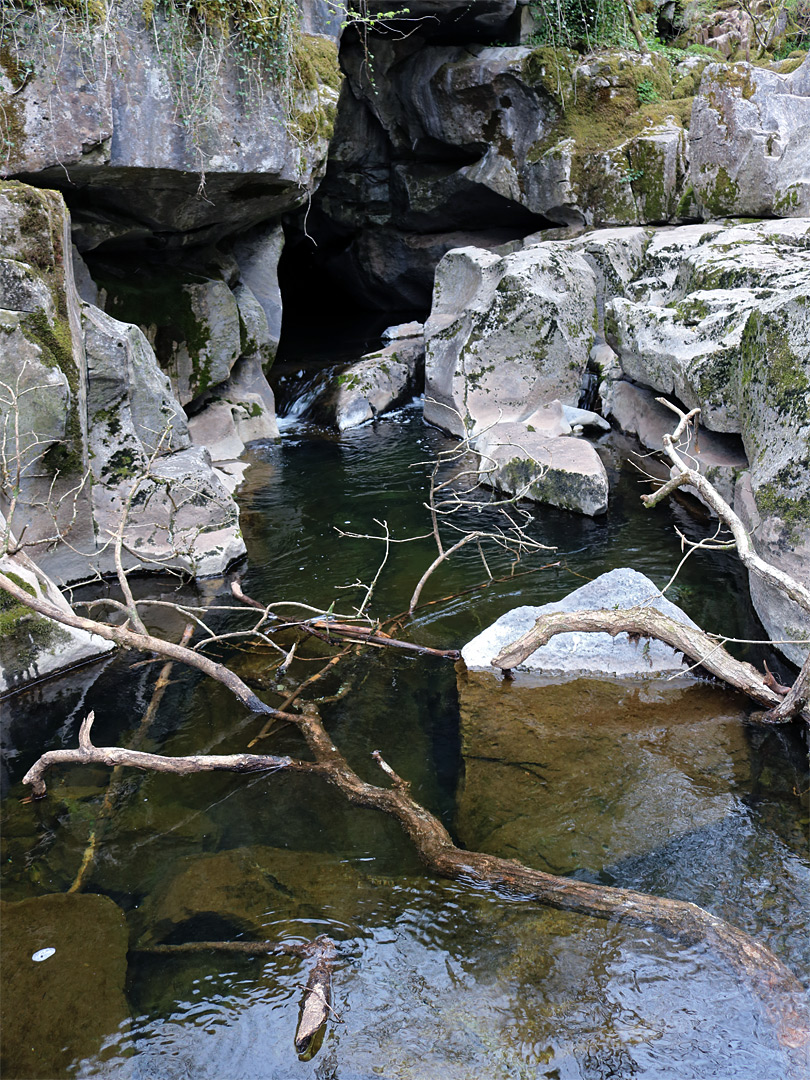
x: 505, y: 335
x: 718, y: 318
x: 160, y: 142
x: 561, y: 471
x: 593, y: 654
x: 374, y: 385
x: 750, y: 142
x: 99, y: 433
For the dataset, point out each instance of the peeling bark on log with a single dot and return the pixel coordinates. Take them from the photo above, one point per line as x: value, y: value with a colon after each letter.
x: 649, y: 622
x: 316, y: 1006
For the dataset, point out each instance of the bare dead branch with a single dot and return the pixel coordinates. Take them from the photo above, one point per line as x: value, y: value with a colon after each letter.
x: 316, y: 1004
x: 685, y: 476
x: 88, y: 754
x: 131, y: 639
x: 647, y: 622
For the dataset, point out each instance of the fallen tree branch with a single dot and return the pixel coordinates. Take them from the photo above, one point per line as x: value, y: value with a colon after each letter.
x: 88, y: 754
x: 766, y: 975
x: 684, y: 476
x: 363, y: 634
x: 649, y: 622
x: 132, y: 639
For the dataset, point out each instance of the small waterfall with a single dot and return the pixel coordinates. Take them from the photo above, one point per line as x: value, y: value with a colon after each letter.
x: 298, y: 389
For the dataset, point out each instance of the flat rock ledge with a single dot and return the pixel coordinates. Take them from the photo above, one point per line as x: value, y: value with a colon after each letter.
x: 581, y: 654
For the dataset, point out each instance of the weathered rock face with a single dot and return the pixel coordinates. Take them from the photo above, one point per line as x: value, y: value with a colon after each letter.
x: 505, y: 335
x: 373, y: 385
x: 100, y: 115
x: 494, y: 139
x: 713, y: 316
x: 564, y: 472
x: 720, y: 458
x: 750, y: 142
x: 541, y: 131
x: 99, y: 426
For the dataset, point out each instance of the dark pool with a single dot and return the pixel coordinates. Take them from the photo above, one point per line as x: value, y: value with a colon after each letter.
x: 665, y: 788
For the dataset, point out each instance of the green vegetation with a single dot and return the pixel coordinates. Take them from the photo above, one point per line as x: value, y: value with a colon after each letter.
x: 584, y: 25
x: 22, y: 633
x: 258, y: 44
x: 647, y: 92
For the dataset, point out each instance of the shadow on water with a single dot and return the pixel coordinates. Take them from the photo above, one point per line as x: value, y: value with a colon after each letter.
x: 663, y: 789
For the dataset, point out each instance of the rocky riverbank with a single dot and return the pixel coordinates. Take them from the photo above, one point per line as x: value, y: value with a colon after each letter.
x: 579, y: 225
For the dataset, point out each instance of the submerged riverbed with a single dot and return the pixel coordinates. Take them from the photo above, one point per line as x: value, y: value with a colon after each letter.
x: 665, y: 788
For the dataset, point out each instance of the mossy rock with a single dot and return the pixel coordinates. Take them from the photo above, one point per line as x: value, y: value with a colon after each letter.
x: 60, y: 1010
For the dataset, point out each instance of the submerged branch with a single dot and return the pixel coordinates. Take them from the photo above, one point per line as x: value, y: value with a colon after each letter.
x: 88, y: 754
x: 765, y: 974
x: 316, y: 1004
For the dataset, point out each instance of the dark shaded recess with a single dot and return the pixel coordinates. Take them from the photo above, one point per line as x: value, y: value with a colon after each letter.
x: 323, y: 319
x: 205, y: 927
x: 455, y: 22
x: 159, y: 210
x: 669, y: 20
x: 389, y: 262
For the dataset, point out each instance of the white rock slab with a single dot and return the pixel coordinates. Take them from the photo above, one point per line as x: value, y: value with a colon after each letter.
x: 586, y: 654
x: 564, y: 472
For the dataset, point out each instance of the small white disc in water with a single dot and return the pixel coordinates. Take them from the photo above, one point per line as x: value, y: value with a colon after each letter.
x: 42, y: 954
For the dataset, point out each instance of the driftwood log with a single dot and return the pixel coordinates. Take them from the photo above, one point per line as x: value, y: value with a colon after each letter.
x: 779, y: 990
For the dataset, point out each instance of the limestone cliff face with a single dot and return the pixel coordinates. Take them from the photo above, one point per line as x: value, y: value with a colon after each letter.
x: 159, y: 141
x: 714, y: 316
x: 93, y: 436
x: 443, y: 143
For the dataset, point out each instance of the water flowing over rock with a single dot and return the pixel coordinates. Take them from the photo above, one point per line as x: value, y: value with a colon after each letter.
x: 377, y: 383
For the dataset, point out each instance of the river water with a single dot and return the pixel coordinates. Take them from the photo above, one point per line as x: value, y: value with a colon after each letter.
x: 666, y: 788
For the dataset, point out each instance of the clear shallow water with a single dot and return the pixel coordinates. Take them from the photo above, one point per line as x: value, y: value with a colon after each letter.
x: 676, y: 794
